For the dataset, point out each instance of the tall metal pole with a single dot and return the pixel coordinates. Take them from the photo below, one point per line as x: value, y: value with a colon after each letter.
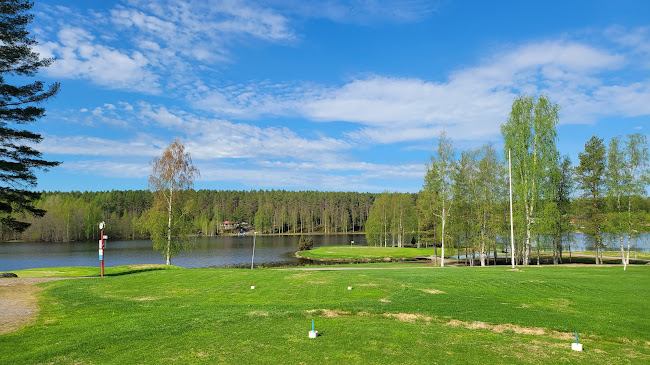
x: 253, y: 258
x: 512, y: 226
x: 102, y: 252
x: 101, y: 246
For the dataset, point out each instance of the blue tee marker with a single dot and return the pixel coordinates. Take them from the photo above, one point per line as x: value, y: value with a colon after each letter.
x: 576, y: 346
x: 312, y: 328
x: 312, y: 333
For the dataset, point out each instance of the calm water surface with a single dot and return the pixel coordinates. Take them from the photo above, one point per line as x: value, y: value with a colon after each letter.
x: 206, y: 252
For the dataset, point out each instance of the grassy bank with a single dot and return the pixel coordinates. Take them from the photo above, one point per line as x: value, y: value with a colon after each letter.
x: 419, y: 315
x: 365, y: 253
x: 85, y: 271
x: 373, y: 253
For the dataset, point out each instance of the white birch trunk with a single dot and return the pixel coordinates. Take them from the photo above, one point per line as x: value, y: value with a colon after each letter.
x: 169, y: 227
x: 442, y: 251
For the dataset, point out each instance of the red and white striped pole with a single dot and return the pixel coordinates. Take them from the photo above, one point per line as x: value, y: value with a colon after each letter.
x: 101, y: 246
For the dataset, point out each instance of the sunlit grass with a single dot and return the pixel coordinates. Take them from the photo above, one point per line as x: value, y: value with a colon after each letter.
x: 403, y: 316
x: 83, y: 271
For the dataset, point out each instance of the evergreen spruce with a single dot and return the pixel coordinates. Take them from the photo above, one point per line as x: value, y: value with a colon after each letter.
x: 19, y: 105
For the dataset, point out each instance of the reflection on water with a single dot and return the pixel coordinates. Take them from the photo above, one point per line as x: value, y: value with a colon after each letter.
x: 218, y: 251
x: 205, y: 252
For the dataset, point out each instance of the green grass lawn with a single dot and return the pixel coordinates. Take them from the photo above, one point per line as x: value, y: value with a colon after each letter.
x: 617, y: 254
x: 84, y: 271
x: 400, y: 316
x: 373, y: 253
x: 366, y: 252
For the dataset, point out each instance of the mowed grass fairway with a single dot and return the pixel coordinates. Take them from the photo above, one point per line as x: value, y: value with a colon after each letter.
x: 366, y: 252
x: 392, y: 316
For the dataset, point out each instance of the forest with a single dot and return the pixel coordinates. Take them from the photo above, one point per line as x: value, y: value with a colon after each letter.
x: 73, y: 216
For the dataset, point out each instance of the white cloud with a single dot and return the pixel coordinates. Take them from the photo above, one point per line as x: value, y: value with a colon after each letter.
x: 80, y: 56
x: 299, y: 179
x: 198, y: 30
x: 112, y: 169
x: 636, y: 40
x: 94, y: 146
x: 149, y: 47
x: 470, y: 105
x: 360, y: 11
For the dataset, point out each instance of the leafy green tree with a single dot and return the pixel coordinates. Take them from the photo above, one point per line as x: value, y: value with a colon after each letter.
x: 489, y: 193
x: 616, y: 181
x: 404, y: 220
x: 637, y: 178
x: 19, y: 105
x: 171, y: 173
x: 305, y: 243
x: 426, y: 219
x: 465, y: 220
x: 379, y: 220
x: 563, y: 188
x: 530, y: 134
x: 590, y: 175
x: 439, y: 181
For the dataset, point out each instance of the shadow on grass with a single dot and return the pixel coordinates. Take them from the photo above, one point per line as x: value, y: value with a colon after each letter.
x: 137, y: 270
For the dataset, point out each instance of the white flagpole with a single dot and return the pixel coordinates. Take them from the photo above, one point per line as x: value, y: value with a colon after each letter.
x: 512, y: 226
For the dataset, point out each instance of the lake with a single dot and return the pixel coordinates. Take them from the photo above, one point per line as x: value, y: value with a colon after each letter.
x: 206, y: 251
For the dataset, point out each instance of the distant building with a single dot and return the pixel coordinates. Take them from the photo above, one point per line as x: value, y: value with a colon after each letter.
x: 228, y: 225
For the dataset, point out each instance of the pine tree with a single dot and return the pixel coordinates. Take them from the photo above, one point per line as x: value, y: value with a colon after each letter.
x: 19, y: 106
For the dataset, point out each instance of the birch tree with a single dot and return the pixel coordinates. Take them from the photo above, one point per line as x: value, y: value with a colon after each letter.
x: 379, y: 220
x: 404, y: 220
x: 488, y: 197
x: 637, y: 174
x: 530, y: 134
x: 172, y: 172
x: 617, y: 180
x: 590, y: 175
x: 563, y: 189
x: 439, y: 179
x: 465, y: 221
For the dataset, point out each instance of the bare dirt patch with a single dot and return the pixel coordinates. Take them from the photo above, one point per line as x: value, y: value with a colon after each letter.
x: 384, y: 300
x: 329, y: 313
x: 317, y: 282
x: 299, y: 275
x: 560, y: 304
x: 146, y: 266
x: 368, y: 284
x: 408, y: 317
x: 144, y: 299
x: 432, y: 291
x: 501, y: 328
x: 259, y: 313
x: 18, y: 302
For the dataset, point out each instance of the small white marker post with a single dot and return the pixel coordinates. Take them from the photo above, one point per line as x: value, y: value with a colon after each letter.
x: 253, y: 286
x: 313, y: 333
x: 349, y: 286
x: 575, y: 346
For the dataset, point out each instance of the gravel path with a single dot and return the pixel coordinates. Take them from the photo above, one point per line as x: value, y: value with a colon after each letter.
x: 18, y: 302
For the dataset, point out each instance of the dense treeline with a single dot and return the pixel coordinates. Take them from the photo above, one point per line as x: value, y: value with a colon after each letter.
x: 73, y: 216
x: 466, y: 201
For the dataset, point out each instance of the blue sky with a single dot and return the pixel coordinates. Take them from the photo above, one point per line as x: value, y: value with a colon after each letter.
x: 324, y: 95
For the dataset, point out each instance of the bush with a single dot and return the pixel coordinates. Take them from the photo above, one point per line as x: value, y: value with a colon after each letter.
x: 305, y: 243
